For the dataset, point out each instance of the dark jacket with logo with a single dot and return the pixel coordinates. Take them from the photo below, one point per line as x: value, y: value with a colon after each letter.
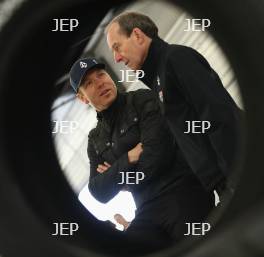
x: 190, y: 90
x: 134, y: 117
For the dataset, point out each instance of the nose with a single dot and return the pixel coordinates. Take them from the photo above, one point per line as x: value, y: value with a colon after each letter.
x: 118, y: 57
x: 98, y: 83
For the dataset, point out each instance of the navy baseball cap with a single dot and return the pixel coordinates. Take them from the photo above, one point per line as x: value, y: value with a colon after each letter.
x: 80, y: 68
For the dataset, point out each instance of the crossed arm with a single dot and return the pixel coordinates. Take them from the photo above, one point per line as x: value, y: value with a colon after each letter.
x: 133, y: 156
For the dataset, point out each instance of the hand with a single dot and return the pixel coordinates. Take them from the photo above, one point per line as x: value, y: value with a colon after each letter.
x: 101, y: 168
x: 134, y: 154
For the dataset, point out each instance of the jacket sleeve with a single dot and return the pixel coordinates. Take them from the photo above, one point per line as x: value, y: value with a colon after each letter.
x: 205, y: 94
x: 104, y: 186
x: 156, y: 139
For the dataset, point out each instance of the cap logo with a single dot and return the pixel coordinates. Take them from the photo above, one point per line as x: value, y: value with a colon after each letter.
x: 83, y: 65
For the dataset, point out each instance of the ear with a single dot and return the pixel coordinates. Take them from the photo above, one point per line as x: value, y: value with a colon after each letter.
x: 139, y: 35
x: 82, y: 98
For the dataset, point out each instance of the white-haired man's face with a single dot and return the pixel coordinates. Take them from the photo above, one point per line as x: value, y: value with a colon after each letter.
x: 130, y: 50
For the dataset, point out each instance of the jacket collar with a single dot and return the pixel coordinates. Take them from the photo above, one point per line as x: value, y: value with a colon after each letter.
x: 150, y: 66
x: 109, y: 115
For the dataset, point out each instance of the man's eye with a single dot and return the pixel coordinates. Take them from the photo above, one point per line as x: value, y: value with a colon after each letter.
x: 87, y: 83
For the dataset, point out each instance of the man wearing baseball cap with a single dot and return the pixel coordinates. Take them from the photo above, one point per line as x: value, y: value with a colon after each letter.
x: 132, y: 138
x: 100, y: 100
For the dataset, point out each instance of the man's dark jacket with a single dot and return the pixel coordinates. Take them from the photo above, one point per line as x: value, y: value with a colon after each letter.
x: 190, y: 90
x: 134, y: 117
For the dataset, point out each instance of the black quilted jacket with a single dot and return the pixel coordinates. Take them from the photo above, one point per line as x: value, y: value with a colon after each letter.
x: 134, y: 117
